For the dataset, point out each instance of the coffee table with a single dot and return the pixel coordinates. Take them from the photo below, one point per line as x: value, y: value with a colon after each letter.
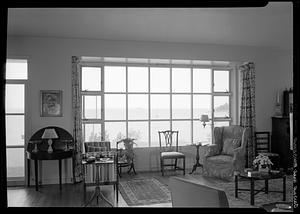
x: 260, y: 176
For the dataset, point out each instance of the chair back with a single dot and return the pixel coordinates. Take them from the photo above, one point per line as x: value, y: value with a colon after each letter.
x: 168, y: 140
x: 97, y: 146
x: 262, y: 142
x: 231, y: 132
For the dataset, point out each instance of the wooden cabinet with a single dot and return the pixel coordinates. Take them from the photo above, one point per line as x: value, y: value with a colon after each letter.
x: 280, y: 141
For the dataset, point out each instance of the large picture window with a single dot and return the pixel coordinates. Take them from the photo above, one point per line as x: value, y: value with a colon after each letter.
x: 138, y: 97
x: 16, y: 76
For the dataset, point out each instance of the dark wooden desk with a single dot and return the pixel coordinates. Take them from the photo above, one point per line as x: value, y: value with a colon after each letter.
x: 41, y: 155
x: 63, y: 148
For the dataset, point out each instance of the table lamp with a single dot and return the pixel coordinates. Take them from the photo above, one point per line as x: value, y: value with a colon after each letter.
x: 204, y: 118
x: 49, y: 134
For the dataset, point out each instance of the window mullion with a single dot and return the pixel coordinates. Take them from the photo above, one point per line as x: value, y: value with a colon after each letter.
x: 126, y: 99
x: 102, y: 104
x: 171, y: 91
x: 212, y: 104
x: 192, y: 110
x: 149, y: 108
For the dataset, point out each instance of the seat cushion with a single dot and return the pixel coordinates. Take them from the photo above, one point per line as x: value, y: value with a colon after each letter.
x: 220, y: 159
x: 172, y: 154
x: 229, y: 145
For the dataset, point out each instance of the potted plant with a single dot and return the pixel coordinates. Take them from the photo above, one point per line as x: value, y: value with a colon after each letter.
x: 262, y: 162
x: 128, y: 152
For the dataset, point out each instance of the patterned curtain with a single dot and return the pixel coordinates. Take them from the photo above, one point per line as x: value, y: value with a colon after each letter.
x: 77, y: 128
x: 247, y: 111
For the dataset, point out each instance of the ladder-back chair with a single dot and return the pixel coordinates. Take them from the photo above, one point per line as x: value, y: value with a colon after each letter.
x: 169, y: 150
x: 263, y: 146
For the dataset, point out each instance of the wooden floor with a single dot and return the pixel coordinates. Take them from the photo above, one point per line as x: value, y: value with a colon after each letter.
x: 72, y: 195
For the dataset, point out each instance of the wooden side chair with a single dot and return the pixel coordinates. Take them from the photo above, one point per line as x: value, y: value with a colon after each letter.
x: 263, y: 146
x: 125, y: 155
x: 169, y: 150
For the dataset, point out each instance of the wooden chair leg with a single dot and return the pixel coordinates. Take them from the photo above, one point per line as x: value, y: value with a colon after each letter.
x: 162, y: 167
x: 119, y: 171
x: 183, y: 166
x: 132, y: 165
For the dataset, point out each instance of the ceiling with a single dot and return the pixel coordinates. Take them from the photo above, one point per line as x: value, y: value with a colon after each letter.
x: 270, y: 26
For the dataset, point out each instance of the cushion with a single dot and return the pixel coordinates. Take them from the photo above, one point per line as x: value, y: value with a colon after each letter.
x: 229, y: 145
x: 172, y: 154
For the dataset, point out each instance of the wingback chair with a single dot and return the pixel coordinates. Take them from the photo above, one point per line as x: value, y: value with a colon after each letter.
x: 228, y: 153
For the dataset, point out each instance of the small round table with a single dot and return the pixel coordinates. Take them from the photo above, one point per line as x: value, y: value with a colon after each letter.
x: 197, y: 164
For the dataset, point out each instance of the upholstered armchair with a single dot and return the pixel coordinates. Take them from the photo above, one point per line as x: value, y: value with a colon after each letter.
x: 228, y: 153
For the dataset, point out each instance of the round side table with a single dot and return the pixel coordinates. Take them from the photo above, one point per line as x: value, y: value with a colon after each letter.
x: 197, y: 164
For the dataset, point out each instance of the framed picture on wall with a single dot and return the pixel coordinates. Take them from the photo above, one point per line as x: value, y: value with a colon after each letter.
x: 51, y: 103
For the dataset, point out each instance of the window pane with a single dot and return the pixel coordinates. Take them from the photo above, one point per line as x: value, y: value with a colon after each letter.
x: 92, y: 132
x: 91, y: 78
x: 200, y: 133
x: 181, y: 80
x: 181, y: 106
x: 139, y: 131
x: 115, y: 107
x: 159, y: 79
x: 115, y: 78
x: 201, y: 80
x: 15, y: 162
x: 137, y: 79
x: 14, y: 130
x: 184, y: 135
x: 219, y: 123
x: 137, y: 106
x: 16, y: 69
x: 155, y: 127
x: 221, y: 81
x: 221, y: 106
x: 92, y: 107
x: 201, y: 105
x: 160, y: 106
x: 114, y: 131
x: 14, y: 98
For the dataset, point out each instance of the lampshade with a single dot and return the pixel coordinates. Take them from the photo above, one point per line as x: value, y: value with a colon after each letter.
x: 204, y: 118
x: 49, y: 134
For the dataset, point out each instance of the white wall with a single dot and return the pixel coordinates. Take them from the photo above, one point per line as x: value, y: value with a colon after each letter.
x: 50, y: 68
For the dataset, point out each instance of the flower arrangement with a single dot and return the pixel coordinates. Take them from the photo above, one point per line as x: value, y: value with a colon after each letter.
x: 262, y: 161
x: 128, y: 144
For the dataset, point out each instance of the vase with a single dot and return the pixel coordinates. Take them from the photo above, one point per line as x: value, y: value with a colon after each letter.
x: 263, y: 169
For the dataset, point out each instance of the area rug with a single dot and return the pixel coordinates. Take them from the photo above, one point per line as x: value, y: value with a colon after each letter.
x: 144, y: 191
x: 261, y: 198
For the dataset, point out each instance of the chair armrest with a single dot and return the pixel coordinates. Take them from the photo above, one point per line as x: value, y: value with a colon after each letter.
x: 212, y: 150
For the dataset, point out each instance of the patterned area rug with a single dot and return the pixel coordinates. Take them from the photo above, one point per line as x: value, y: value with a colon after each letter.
x: 261, y: 198
x: 144, y: 191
